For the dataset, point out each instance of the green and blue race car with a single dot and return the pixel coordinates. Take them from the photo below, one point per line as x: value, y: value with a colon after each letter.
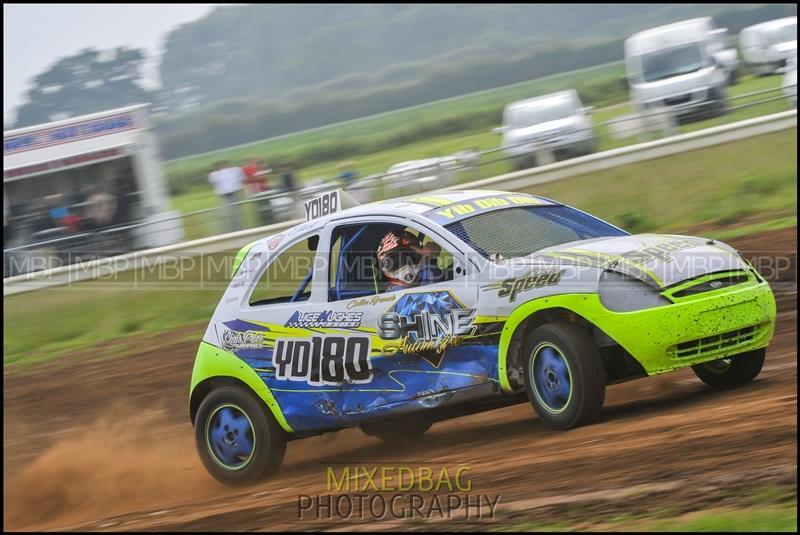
x: 394, y: 315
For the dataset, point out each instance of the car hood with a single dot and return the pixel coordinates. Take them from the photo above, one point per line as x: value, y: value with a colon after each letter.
x: 657, y: 259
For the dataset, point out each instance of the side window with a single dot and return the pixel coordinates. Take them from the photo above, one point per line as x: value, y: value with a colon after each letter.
x: 287, y: 278
x: 407, y: 259
x: 353, y: 266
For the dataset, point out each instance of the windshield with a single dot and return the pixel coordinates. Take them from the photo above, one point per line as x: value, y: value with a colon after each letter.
x: 784, y: 34
x: 671, y: 62
x: 520, y: 231
x: 544, y: 112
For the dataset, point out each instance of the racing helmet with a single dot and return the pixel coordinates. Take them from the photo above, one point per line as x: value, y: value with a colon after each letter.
x: 400, y: 258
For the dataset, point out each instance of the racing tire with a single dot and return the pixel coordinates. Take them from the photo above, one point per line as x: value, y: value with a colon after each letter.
x: 732, y: 371
x: 564, y: 375
x: 237, y: 438
x: 398, y: 429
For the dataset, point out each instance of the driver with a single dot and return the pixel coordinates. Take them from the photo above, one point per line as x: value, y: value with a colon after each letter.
x: 406, y: 263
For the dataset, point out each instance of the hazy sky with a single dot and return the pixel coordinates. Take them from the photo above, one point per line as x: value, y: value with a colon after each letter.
x: 35, y: 36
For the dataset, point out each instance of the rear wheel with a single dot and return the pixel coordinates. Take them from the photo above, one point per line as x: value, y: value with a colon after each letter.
x: 398, y: 429
x: 564, y: 375
x: 238, y: 440
x: 731, y: 371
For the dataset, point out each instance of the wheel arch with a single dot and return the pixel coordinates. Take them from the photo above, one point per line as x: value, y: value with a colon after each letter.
x: 580, y: 310
x: 522, y: 321
x: 214, y: 367
x: 206, y: 386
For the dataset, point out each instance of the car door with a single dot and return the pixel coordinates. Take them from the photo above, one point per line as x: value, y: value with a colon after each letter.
x: 428, y: 344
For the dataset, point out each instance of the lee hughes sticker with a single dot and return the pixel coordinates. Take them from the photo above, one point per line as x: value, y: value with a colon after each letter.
x: 237, y: 340
x: 323, y: 360
x: 329, y: 319
x: 533, y: 279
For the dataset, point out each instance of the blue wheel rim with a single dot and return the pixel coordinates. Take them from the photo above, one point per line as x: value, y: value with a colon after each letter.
x: 229, y: 437
x: 552, y: 378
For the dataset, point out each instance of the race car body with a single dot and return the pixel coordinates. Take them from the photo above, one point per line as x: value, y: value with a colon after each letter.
x: 526, y: 299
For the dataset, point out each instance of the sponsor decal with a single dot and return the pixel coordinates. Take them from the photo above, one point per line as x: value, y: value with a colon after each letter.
x: 237, y: 340
x: 274, y: 242
x: 660, y: 251
x: 372, y: 300
x: 426, y: 331
x: 64, y: 162
x: 457, y: 211
x: 535, y: 278
x: 323, y: 360
x: 325, y: 319
x: 57, y: 135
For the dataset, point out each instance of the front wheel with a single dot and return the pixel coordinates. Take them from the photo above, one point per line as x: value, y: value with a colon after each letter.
x: 564, y: 375
x: 238, y: 440
x: 731, y: 371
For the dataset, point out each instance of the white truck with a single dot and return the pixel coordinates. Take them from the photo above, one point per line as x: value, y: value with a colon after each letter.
x: 548, y: 126
x: 682, y: 67
x: 767, y: 46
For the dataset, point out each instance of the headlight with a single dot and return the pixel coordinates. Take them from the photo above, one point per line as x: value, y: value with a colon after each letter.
x: 621, y: 293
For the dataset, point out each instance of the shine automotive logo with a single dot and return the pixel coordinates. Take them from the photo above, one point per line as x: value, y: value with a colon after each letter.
x: 329, y: 319
x: 425, y: 330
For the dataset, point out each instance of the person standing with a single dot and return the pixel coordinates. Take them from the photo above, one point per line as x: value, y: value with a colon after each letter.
x: 255, y: 176
x: 288, y: 177
x: 228, y: 181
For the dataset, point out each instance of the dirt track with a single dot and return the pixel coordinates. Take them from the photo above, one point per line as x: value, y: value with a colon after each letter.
x: 106, y: 444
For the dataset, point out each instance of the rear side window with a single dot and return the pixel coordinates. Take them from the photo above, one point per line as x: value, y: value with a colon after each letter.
x: 287, y: 278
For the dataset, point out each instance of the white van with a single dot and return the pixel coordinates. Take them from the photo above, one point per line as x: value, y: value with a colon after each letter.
x: 679, y: 67
x: 789, y: 84
x: 557, y: 124
x: 768, y: 45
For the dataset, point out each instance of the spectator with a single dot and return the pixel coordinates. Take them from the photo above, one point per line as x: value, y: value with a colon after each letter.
x: 101, y: 207
x: 60, y: 215
x: 347, y: 174
x: 228, y: 181
x: 255, y: 176
x: 288, y: 176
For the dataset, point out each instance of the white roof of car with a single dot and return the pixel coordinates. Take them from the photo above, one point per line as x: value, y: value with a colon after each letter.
x: 771, y: 24
x: 423, y: 204
x: 567, y: 94
x: 685, y: 31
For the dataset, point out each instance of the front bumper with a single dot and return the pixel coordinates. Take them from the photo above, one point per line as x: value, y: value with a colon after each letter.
x: 567, y: 143
x: 688, y: 102
x: 706, y: 327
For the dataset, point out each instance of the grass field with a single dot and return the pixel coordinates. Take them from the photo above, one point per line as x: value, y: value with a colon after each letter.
x: 766, y: 518
x: 748, y: 184
x: 201, y: 196
x: 384, y: 124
